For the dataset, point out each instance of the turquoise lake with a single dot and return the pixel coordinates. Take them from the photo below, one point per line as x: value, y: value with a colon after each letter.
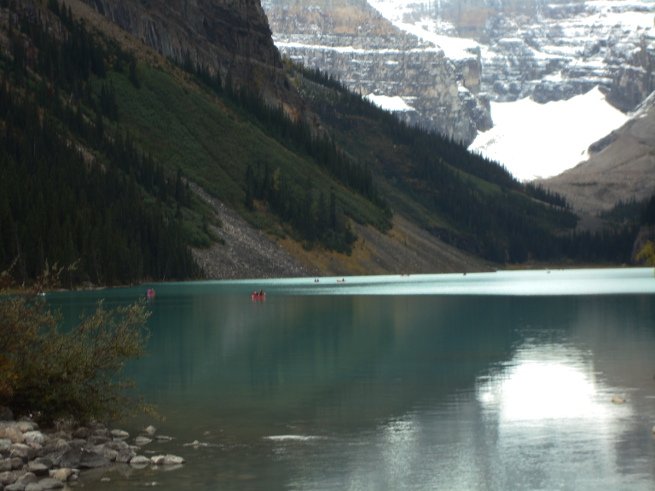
x: 490, y: 381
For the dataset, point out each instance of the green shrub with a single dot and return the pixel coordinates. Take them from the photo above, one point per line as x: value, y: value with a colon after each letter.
x: 51, y: 373
x: 647, y: 253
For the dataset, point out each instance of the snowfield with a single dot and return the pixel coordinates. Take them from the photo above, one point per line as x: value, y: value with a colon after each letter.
x: 388, y: 103
x: 427, y: 29
x: 542, y: 140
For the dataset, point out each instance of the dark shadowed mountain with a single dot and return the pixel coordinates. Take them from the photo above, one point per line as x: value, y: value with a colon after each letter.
x: 169, y: 140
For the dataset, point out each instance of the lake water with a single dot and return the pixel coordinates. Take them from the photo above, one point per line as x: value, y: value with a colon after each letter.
x: 493, y: 381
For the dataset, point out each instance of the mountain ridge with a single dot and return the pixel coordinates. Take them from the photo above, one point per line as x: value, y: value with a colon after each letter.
x: 228, y: 37
x: 353, y: 42
x: 366, y: 193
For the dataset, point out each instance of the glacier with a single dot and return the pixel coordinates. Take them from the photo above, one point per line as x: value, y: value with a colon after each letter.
x: 534, y: 140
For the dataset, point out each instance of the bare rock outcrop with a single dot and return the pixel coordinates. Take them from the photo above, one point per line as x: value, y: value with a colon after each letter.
x: 350, y: 40
x: 621, y: 166
x: 229, y: 37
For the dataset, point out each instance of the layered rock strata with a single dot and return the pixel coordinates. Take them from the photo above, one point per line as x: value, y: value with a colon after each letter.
x: 351, y: 41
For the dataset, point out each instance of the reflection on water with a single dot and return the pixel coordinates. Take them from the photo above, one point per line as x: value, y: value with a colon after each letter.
x: 541, y: 383
x: 409, y: 391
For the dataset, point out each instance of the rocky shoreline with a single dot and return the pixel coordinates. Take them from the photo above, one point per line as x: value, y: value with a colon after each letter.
x: 32, y: 459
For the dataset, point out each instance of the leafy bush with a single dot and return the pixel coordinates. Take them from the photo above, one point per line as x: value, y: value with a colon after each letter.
x: 647, y: 253
x: 52, y: 374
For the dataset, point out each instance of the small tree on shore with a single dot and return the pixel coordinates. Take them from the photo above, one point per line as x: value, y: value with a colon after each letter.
x: 52, y: 373
x: 647, y: 253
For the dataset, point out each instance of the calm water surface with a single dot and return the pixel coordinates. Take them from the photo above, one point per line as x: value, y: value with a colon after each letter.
x: 486, y: 381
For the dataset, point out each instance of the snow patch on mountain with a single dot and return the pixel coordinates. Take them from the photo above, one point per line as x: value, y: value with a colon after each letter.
x: 290, y: 45
x: 538, y: 66
x: 426, y: 29
x: 389, y: 103
x: 535, y: 140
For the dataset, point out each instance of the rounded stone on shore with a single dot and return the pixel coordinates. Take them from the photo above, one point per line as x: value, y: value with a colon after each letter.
x: 120, y: 434
x: 142, y: 440
x: 109, y: 453
x: 26, y: 426
x: 8, y: 477
x: 139, y: 460
x: 63, y: 474
x: 22, y: 451
x: 5, y: 446
x: 166, y: 459
x: 27, y: 478
x: 43, y: 460
x: 47, y: 483
x: 38, y: 468
x: 12, y: 433
x: 124, y: 456
x: 34, y: 438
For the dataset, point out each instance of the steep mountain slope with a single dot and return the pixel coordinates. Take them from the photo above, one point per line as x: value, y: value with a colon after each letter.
x: 228, y: 37
x: 177, y: 155
x: 545, y: 49
x: 502, y: 52
x: 350, y: 40
x: 621, y: 166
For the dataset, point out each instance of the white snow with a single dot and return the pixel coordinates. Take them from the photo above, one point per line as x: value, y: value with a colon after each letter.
x: 425, y: 29
x: 390, y: 103
x: 541, y: 140
x: 350, y: 49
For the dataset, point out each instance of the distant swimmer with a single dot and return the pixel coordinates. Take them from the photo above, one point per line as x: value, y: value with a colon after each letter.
x: 150, y: 293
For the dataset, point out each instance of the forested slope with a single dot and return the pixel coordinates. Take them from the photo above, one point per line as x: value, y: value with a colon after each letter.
x: 102, y: 139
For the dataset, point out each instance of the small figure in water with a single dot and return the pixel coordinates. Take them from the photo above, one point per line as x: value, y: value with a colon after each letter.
x: 258, y: 296
x: 150, y: 293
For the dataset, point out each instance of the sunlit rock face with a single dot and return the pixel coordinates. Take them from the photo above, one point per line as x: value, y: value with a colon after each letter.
x: 549, y: 49
x: 349, y: 39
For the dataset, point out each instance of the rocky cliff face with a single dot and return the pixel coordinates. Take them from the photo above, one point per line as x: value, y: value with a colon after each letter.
x: 349, y: 39
x: 231, y: 37
x: 548, y: 49
x: 621, y: 166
